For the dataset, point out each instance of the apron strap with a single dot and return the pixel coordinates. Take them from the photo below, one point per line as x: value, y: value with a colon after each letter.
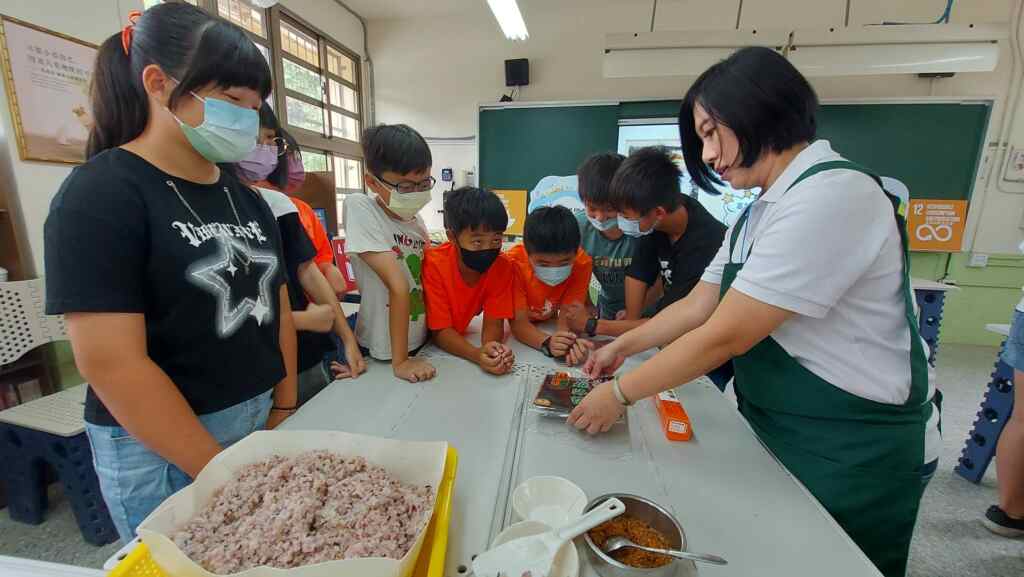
x: 918, y: 360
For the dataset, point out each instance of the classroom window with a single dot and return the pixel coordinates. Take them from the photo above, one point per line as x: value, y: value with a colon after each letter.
x: 321, y: 89
x: 314, y: 160
x: 245, y: 14
x: 348, y: 173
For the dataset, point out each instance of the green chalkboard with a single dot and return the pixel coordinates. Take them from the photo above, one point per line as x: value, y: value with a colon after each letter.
x: 933, y: 148
x: 520, y: 146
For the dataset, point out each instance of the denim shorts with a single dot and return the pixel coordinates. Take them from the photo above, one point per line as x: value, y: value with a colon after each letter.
x: 135, y: 480
x: 1013, y: 354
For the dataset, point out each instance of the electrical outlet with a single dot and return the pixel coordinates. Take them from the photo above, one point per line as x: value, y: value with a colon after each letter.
x: 1014, y: 171
x: 978, y: 260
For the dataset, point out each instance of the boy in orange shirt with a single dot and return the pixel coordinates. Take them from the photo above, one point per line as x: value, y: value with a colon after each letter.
x: 552, y: 274
x: 467, y: 275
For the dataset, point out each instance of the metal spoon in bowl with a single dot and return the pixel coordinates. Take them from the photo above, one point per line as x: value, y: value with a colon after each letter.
x: 616, y: 543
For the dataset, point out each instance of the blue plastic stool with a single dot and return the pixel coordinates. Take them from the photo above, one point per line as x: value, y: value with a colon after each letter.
x: 996, y: 408
x: 930, y: 320
x: 26, y: 448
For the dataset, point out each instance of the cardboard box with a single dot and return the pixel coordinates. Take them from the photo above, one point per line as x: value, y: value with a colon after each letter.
x: 675, y: 423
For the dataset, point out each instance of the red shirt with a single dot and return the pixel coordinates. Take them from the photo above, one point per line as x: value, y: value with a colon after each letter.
x: 541, y: 299
x: 451, y: 302
x: 315, y: 230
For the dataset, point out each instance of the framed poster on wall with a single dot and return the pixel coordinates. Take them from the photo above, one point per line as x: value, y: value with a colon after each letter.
x: 46, y: 76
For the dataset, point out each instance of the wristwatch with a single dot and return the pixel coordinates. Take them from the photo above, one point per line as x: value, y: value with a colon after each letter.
x: 617, y: 391
x: 591, y: 328
x: 545, y: 348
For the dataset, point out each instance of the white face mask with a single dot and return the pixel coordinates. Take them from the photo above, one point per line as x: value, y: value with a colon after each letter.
x: 405, y: 204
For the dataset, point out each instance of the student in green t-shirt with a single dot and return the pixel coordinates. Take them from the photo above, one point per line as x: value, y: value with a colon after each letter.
x: 610, y: 249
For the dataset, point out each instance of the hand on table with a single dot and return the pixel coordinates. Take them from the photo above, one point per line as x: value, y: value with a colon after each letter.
x: 578, y: 352
x: 598, y: 411
x: 603, y: 361
x: 496, y: 358
x: 356, y: 362
x: 576, y: 316
x: 415, y: 370
x: 561, y: 342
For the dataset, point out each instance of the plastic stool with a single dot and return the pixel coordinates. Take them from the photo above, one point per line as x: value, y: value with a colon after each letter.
x: 930, y: 302
x: 996, y: 408
x: 50, y: 431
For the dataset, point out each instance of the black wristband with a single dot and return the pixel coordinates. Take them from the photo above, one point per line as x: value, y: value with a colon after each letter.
x: 591, y: 328
x: 284, y: 408
x: 545, y: 348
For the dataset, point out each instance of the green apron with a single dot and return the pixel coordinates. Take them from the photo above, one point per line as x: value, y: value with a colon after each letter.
x: 860, y: 458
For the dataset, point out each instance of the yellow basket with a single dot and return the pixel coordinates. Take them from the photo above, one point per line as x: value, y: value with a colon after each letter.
x: 138, y: 563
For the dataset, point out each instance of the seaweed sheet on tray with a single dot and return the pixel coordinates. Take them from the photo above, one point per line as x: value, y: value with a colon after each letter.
x: 560, y: 392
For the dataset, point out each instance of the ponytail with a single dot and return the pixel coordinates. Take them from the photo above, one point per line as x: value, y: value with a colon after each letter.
x: 193, y: 47
x: 120, y: 108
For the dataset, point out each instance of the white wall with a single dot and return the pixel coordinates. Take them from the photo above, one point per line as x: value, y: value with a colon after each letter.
x: 432, y: 73
x: 35, y: 183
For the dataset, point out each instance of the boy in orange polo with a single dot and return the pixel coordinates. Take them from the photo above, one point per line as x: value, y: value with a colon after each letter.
x: 552, y: 274
x: 467, y: 275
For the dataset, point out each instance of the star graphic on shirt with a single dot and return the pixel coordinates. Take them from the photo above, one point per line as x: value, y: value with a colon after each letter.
x: 216, y: 274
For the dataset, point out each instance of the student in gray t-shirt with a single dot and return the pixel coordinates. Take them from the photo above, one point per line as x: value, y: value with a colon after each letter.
x: 610, y: 249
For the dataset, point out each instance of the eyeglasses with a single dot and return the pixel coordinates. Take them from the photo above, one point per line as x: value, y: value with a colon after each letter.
x: 406, y: 186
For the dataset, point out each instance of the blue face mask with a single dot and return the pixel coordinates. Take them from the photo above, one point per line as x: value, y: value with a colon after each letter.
x: 631, y: 227
x: 603, y: 225
x: 552, y: 275
x: 228, y: 132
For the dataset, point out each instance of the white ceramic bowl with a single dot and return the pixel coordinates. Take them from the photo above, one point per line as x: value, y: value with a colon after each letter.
x: 553, y: 501
x: 567, y: 561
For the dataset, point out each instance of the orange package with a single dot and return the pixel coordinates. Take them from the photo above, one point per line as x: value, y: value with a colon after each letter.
x: 674, y: 420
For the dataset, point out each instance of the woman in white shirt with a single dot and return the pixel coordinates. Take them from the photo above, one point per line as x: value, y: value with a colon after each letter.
x: 810, y: 297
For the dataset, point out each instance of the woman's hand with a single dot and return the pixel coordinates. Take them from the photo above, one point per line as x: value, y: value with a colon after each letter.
x: 598, y: 411
x: 603, y: 361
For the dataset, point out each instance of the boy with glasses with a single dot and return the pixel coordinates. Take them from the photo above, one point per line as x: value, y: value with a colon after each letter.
x: 385, y: 239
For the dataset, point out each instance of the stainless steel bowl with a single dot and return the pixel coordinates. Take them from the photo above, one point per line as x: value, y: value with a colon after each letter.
x: 658, y: 518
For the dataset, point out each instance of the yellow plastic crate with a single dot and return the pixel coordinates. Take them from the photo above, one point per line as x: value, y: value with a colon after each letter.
x: 139, y: 563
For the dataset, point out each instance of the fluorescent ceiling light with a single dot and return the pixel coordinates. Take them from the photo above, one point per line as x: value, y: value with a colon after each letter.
x: 895, y: 59
x: 506, y: 12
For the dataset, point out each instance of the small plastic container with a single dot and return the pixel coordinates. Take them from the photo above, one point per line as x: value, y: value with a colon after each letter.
x: 553, y: 501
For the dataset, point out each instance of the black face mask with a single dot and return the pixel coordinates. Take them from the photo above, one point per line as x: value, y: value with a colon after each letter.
x: 479, y: 260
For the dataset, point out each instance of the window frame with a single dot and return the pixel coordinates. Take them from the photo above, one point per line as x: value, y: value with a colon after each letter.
x: 324, y: 140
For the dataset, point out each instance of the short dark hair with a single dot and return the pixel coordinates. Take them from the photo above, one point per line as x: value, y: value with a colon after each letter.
x: 395, y: 148
x: 649, y: 178
x: 471, y: 208
x: 551, y: 230
x: 758, y: 94
x: 594, y: 176
x: 279, y: 176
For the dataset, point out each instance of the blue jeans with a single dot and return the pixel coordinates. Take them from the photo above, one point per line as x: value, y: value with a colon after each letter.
x: 1013, y: 353
x: 135, y: 480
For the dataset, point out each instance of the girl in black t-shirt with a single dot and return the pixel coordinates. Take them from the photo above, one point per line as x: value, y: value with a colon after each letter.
x: 168, y: 270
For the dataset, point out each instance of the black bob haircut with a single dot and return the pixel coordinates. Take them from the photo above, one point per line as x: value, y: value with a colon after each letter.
x: 649, y: 178
x: 279, y: 176
x: 395, y: 148
x: 594, y: 176
x: 474, y: 209
x: 758, y: 94
x: 551, y: 230
x: 190, y: 46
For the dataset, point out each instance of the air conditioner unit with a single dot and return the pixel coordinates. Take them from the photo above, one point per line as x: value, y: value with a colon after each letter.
x: 868, y: 50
